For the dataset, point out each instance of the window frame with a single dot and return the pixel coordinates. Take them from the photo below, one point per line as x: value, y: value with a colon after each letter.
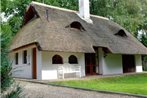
x: 16, y: 58
x: 24, y: 57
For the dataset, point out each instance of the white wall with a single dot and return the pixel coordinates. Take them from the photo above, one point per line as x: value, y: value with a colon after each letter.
x: 49, y: 70
x: 138, y: 63
x: 22, y: 70
x: 110, y: 63
x: 113, y: 64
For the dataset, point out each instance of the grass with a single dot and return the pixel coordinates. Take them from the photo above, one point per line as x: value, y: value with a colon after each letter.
x: 133, y: 84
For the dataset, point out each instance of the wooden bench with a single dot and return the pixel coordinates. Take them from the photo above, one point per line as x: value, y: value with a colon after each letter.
x: 74, y: 69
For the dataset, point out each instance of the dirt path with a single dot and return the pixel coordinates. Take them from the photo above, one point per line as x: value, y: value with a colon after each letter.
x: 33, y: 90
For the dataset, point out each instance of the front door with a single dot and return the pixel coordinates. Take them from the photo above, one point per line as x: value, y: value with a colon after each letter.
x: 34, y: 64
x: 90, y: 63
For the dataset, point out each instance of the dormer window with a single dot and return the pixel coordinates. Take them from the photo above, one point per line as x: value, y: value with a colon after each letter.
x: 76, y: 25
x: 121, y: 33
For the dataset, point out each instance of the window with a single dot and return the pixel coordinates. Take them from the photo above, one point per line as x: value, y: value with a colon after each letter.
x: 25, y: 57
x: 57, y: 59
x: 76, y: 25
x: 72, y: 60
x: 121, y: 33
x: 16, y: 58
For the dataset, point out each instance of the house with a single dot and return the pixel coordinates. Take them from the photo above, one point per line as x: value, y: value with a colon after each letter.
x: 57, y: 43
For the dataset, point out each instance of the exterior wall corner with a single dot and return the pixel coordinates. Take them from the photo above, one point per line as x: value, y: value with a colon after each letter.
x: 138, y: 63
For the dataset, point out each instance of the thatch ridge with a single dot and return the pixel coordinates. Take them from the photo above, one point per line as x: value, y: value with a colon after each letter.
x: 50, y: 6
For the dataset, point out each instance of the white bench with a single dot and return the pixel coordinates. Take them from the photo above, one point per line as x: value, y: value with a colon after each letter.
x: 62, y: 70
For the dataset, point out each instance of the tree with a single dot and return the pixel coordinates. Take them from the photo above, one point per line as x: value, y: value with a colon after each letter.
x: 15, y: 9
x: 127, y: 13
x: 6, y: 68
x: 6, y: 79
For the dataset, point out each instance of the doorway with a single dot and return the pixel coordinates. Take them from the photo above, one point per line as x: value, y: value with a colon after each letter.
x: 128, y: 63
x: 90, y: 64
x: 34, y: 64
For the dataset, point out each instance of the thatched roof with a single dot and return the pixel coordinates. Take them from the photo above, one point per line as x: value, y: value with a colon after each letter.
x: 50, y: 28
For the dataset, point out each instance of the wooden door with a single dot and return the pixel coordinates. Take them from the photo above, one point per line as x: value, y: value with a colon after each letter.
x: 34, y: 64
x: 90, y: 63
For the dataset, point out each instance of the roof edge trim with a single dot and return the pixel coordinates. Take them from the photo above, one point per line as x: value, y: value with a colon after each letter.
x: 54, y: 7
x: 26, y: 46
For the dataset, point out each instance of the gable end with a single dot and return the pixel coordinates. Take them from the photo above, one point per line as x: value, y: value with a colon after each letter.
x: 30, y: 14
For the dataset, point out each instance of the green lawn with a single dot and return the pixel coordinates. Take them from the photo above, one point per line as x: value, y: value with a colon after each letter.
x: 134, y: 84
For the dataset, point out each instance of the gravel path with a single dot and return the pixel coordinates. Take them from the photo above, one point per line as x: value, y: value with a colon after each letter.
x: 33, y: 90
